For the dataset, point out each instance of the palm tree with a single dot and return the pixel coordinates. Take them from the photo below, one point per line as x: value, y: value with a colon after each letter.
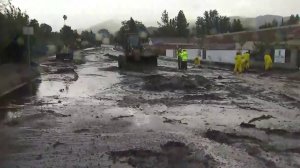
x: 65, y: 18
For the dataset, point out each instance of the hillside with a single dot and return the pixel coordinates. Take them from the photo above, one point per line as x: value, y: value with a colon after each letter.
x: 255, y: 23
x: 111, y: 25
x: 251, y: 23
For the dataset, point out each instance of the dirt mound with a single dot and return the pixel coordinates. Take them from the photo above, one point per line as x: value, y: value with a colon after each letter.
x: 172, y: 154
x: 163, y: 83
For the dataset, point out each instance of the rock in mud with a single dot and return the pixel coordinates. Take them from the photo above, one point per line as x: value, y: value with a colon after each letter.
x: 120, y: 117
x: 247, y: 125
x: 56, y: 144
x: 263, y: 117
x: 81, y: 131
x: 173, y: 121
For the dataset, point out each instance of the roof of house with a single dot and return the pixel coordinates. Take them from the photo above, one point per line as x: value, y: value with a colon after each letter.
x: 171, y: 40
x: 268, y: 35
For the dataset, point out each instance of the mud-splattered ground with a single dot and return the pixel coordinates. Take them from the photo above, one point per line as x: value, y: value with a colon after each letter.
x: 93, y: 115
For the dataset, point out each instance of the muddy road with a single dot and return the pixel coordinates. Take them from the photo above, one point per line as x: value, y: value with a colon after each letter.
x: 93, y: 115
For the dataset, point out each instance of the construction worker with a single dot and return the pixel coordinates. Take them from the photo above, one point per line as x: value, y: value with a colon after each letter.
x: 268, y: 61
x: 238, y: 63
x: 179, y: 57
x: 197, y: 61
x: 243, y: 56
x: 184, y: 59
x: 247, y: 55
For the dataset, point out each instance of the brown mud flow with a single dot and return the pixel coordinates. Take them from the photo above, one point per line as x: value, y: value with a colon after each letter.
x: 96, y: 115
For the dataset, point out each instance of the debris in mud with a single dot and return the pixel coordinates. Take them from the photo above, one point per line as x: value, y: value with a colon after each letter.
x: 111, y: 68
x: 56, y: 144
x: 172, y: 154
x: 61, y: 90
x: 39, y: 157
x: 220, y: 77
x: 120, y: 117
x: 12, y: 123
x: 173, y: 121
x: 248, y: 107
x: 64, y: 70
x: 264, y: 74
x: 81, y: 131
x: 247, y: 125
x: 263, y: 117
x: 293, y: 150
x: 252, y: 150
x: 186, y: 82
x: 228, y: 138
x: 203, y: 97
x: 55, y: 114
x: 112, y: 57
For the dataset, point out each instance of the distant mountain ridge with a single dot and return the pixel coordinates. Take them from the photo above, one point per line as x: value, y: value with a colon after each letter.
x: 255, y: 23
x: 251, y: 23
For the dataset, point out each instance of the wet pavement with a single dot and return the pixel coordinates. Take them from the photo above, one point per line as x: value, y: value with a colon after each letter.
x: 94, y: 115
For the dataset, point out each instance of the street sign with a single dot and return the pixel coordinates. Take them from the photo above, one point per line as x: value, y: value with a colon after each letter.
x: 28, y: 30
x: 279, y: 56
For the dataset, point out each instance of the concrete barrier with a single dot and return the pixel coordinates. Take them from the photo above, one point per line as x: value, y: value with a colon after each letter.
x: 14, y: 76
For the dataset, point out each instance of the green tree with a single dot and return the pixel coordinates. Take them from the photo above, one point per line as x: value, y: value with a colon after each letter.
x: 167, y: 27
x: 182, y: 25
x: 237, y: 26
x: 128, y: 27
x: 88, y: 36
x: 67, y: 36
x: 293, y: 20
x: 282, y: 22
x: 65, y: 18
x: 164, y: 19
x: 12, y: 20
x: 212, y: 23
x: 274, y: 23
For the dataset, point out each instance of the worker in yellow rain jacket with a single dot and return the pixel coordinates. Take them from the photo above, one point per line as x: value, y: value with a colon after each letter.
x: 184, y: 59
x: 197, y: 61
x: 247, y: 55
x: 268, y: 61
x: 243, y: 62
x: 238, y: 63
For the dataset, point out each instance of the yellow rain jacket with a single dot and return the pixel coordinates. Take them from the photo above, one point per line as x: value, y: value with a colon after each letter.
x: 184, y: 55
x: 268, y: 62
x: 197, y: 61
x: 238, y: 64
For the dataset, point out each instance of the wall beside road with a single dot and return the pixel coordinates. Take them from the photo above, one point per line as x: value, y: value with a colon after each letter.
x: 14, y: 76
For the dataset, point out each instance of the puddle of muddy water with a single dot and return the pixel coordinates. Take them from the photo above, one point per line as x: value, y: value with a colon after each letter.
x: 11, y: 103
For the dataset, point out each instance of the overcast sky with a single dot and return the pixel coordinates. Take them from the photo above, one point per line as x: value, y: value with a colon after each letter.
x: 85, y: 13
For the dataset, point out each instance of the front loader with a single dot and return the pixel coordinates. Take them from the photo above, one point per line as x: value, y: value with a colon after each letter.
x: 137, y: 54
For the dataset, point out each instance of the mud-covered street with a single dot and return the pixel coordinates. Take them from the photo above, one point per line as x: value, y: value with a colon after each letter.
x: 94, y: 115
